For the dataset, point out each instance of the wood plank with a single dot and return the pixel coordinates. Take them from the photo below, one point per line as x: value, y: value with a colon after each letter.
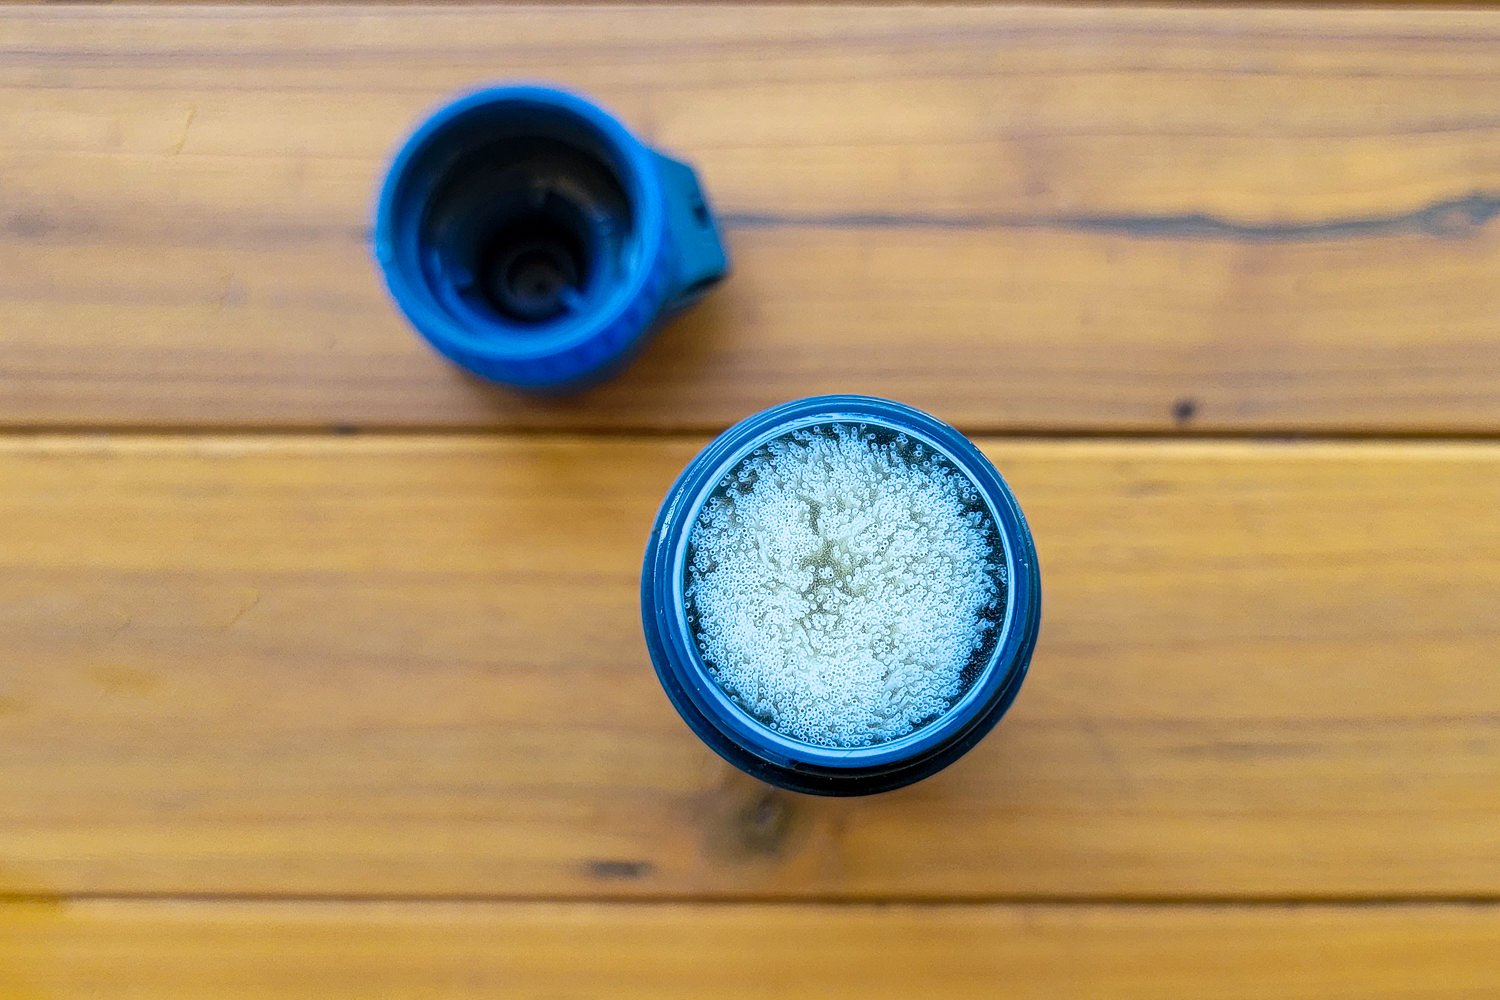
x: 398, y: 665
x: 1029, y: 218
x: 237, y: 951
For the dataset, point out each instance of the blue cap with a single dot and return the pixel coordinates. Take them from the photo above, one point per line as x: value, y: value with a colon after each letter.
x: 532, y: 239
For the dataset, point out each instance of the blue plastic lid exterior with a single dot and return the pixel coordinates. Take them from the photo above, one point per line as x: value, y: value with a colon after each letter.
x: 637, y: 239
x: 748, y: 743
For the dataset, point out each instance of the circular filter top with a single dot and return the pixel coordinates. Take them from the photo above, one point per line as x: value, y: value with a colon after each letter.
x: 845, y: 583
x: 840, y: 595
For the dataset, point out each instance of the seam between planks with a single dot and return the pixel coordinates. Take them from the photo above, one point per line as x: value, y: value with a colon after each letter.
x: 1143, y: 902
x: 146, y: 432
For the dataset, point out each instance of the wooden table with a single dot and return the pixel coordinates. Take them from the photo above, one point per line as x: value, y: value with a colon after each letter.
x: 322, y: 671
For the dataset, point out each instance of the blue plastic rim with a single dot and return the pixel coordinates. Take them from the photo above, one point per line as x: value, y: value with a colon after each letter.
x: 751, y: 745
x: 532, y: 239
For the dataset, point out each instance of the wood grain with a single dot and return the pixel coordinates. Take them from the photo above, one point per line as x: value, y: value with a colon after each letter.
x: 1026, y: 218
x: 413, y: 666
x: 240, y: 951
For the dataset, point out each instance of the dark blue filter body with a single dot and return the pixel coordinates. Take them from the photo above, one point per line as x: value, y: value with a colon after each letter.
x: 673, y: 618
x: 532, y: 239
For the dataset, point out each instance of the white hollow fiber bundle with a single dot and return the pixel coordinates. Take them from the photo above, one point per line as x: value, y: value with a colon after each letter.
x: 840, y: 580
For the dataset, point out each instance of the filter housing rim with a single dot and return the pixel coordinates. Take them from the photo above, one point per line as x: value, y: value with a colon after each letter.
x: 753, y: 746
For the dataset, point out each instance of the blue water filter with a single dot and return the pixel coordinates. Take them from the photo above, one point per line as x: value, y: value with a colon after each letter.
x: 532, y: 239
x: 750, y: 610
